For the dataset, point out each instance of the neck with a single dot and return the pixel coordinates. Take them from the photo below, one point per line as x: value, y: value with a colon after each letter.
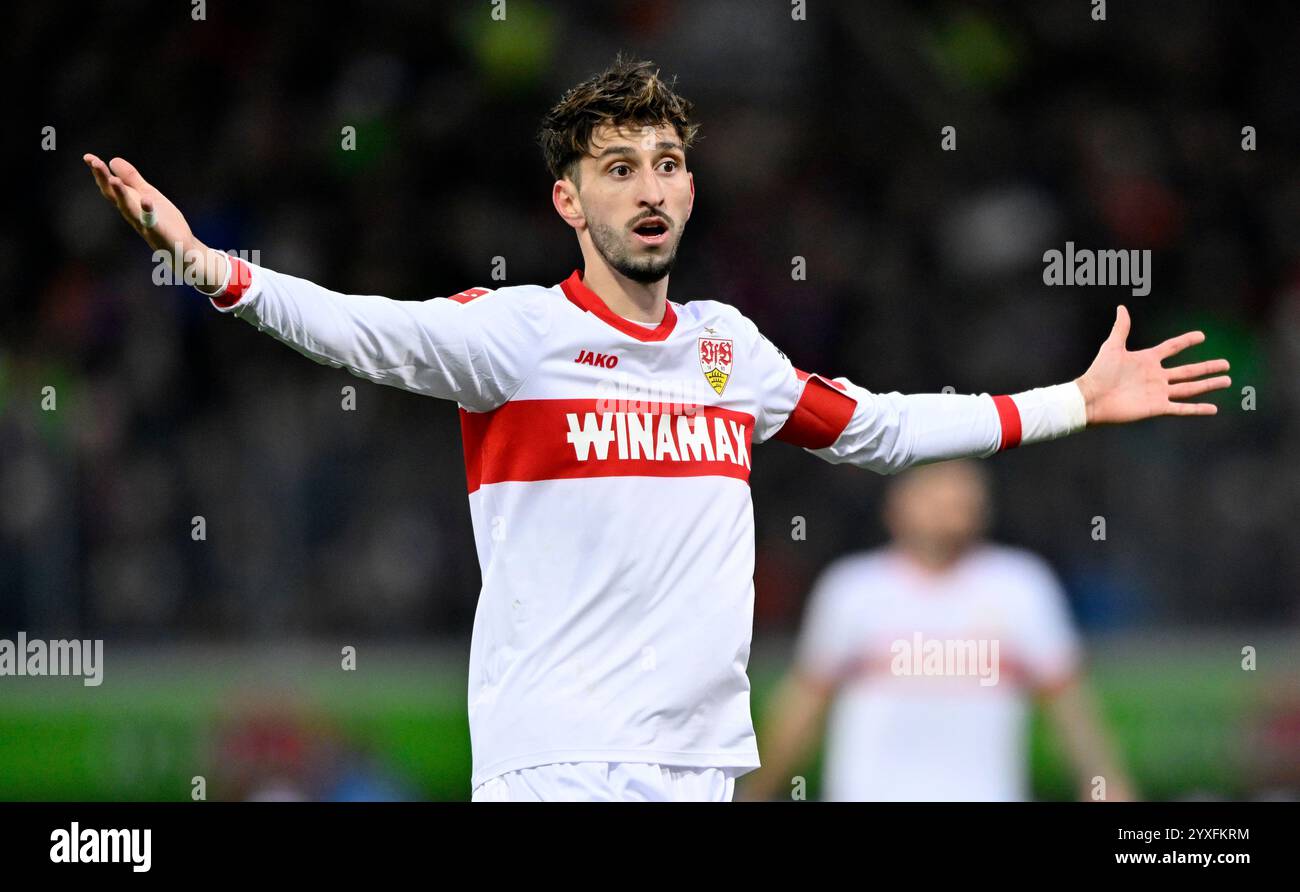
x: 638, y: 301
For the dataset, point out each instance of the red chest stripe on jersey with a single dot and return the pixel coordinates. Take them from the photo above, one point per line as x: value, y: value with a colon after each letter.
x: 820, y: 416
x: 1011, y: 672
x: 1009, y: 415
x: 528, y: 440
x: 577, y: 292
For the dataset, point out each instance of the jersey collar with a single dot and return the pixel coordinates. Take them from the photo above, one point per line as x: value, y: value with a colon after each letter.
x: 577, y: 291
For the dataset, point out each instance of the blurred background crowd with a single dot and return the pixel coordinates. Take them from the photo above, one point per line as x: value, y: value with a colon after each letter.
x: 820, y: 140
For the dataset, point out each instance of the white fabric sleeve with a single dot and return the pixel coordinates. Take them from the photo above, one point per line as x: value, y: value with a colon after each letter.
x: 892, y: 431
x: 477, y: 352
x: 839, y: 421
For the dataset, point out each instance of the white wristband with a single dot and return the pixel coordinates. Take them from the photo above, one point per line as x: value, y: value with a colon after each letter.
x: 225, y: 280
x: 1047, y: 413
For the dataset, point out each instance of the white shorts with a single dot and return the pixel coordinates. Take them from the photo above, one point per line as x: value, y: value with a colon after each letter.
x: 610, y: 782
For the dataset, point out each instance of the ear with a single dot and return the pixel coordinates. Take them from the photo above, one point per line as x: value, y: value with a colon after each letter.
x: 691, y: 206
x: 564, y: 195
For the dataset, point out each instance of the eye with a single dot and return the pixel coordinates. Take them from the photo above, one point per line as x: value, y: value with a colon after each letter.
x: 672, y: 162
x: 617, y: 167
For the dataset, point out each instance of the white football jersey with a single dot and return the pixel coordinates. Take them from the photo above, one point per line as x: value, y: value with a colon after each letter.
x: 607, y: 467
x: 932, y: 672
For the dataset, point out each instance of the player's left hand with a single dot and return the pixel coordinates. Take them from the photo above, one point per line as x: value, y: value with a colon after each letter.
x: 1129, y: 385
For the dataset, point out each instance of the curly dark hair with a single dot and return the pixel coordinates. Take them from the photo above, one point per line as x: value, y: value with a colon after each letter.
x: 628, y: 93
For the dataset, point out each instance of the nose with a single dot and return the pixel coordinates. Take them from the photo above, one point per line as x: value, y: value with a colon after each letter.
x: 650, y: 191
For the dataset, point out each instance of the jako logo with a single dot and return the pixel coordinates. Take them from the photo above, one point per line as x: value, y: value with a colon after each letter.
x: 76, y: 846
x: 604, y: 360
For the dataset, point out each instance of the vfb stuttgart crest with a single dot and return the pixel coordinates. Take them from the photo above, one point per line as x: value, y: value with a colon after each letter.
x: 715, y: 359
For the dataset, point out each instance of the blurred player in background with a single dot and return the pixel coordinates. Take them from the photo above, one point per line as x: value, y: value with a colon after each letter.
x: 957, y: 728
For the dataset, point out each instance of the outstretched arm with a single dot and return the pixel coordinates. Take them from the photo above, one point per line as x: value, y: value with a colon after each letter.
x: 840, y: 421
x: 476, y: 348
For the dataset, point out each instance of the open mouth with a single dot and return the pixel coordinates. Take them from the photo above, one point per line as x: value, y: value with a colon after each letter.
x: 651, y: 231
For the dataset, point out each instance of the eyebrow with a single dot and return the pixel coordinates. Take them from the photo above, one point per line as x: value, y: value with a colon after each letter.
x: 631, y: 152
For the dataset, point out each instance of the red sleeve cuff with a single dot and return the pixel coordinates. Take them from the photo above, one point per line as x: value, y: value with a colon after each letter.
x: 1009, y: 416
x: 241, y: 277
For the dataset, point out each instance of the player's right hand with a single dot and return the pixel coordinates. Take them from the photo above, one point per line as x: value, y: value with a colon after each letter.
x: 131, y: 194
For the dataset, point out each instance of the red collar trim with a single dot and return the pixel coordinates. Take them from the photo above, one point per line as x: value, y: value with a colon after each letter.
x: 577, y: 291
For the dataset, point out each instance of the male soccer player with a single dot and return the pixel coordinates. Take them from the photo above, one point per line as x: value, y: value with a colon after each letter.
x: 926, y: 652
x: 607, y: 435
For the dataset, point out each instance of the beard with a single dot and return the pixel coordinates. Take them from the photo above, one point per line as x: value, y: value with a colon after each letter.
x: 645, y: 269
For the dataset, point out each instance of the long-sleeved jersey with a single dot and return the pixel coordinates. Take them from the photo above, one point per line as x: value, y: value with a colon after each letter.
x: 932, y: 672
x: 608, y: 464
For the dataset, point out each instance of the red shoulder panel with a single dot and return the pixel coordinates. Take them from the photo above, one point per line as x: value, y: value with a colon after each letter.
x: 468, y: 295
